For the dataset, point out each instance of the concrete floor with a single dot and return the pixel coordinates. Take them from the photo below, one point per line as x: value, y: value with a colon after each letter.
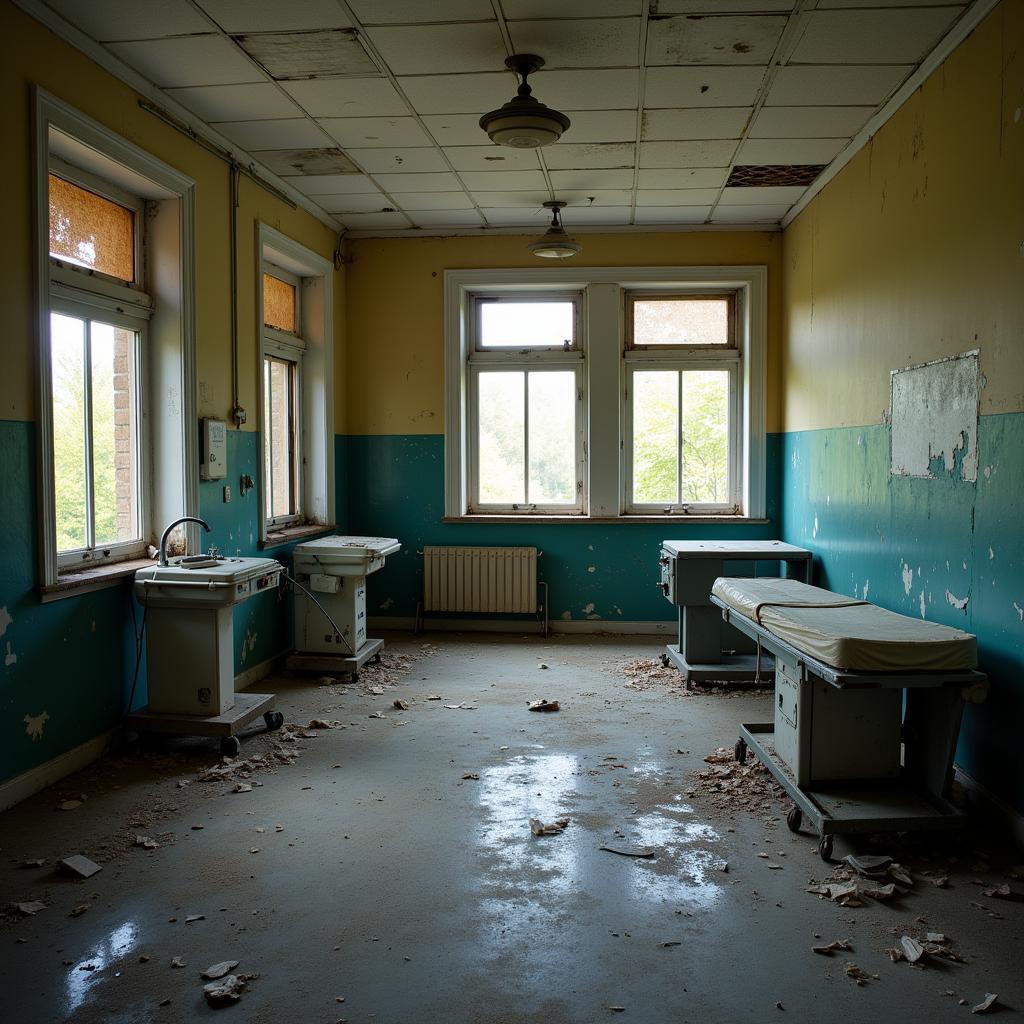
x: 417, y: 896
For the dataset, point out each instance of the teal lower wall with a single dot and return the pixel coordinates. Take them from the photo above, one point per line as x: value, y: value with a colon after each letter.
x: 594, y: 571
x: 870, y: 532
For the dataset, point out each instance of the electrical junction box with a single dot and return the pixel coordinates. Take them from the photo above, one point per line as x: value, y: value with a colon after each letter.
x: 213, y: 463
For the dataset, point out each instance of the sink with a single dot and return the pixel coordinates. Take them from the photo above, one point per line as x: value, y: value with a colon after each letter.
x: 205, y: 581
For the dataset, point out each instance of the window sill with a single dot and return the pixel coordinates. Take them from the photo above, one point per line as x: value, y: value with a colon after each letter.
x: 97, y: 577
x: 549, y: 520
x: 290, y: 533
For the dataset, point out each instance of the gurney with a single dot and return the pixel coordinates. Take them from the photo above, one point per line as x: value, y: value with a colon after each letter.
x: 867, y: 703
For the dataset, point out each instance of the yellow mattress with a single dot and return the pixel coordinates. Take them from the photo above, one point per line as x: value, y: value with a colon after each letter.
x: 844, y: 632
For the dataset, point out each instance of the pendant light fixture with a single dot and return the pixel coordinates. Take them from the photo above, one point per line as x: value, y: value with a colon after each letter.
x: 555, y: 243
x: 524, y: 122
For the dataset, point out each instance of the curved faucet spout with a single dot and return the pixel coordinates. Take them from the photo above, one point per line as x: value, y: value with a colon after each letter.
x: 177, y: 522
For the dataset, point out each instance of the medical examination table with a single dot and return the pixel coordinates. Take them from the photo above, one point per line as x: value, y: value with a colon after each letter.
x: 867, y: 707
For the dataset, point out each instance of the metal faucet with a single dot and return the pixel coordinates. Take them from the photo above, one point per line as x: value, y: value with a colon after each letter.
x: 177, y: 522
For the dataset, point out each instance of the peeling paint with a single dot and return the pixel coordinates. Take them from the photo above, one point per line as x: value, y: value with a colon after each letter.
x: 923, y: 615
x: 959, y: 603
x: 1019, y: 610
x: 388, y: 602
x: 908, y: 578
x: 34, y: 725
x: 5, y: 620
x: 567, y: 615
x: 867, y: 584
x: 991, y: 553
x: 814, y: 532
x: 591, y: 568
x: 589, y: 607
x: 10, y: 658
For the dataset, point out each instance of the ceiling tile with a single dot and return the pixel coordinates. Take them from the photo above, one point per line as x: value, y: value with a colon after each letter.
x: 809, y: 122
x: 767, y: 214
x: 411, y: 201
x: 703, y: 87
x: 367, y: 202
x: 285, y: 162
x: 614, y: 89
x: 455, y: 129
x: 128, y: 19
x: 851, y: 86
x: 423, y: 49
x: 306, y: 54
x: 872, y: 36
x: 399, y: 160
x: 283, y: 133
x: 713, y: 153
x: 584, y: 181
x: 355, y: 221
x: 584, y: 43
x: 272, y: 15
x: 670, y: 215
x: 408, y: 12
x: 255, y: 101
x: 458, y: 94
x: 492, y: 158
x: 601, y: 126
x: 347, y: 97
x: 535, y: 217
x: 332, y: 184
x: 189, y: 60
x: 507, y: 200
x: 517, y: 10
x: 447, y: 218
x: 502, y: 181
x: 686, y: 177
x: 375, y: 132
x: 725, y: 6
x: 439, y: 182
x: 569, y: 156
x: 789, y: 151
x: 699, y: 123
x: 761, y: 195
x: 742, y: 39
x: 891, y: 3
x: 575, y: 215
x: 600, y: 196
x: 676, y: 196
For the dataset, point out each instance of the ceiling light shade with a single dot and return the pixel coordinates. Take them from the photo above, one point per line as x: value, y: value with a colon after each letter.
x: 555, y: 244
x: 524, y: 122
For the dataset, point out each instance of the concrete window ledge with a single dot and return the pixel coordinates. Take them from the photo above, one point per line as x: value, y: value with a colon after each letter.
x: 287, y: 535
x: 548, y: 520
x: 97, y: 577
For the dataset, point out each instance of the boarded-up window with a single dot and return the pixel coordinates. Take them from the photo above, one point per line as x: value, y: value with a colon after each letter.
x: 91, y: 231
x: 279, y: 304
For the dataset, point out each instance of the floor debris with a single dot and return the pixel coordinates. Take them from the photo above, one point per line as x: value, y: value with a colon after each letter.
x: 29, y: 909
x: 147, y: 842
x: 215, y: 971
x: 191, y: 918
x: 461, y: 707
x: 987, y: 1005
x: 833, y: 947
x: 630, y: 851
x: 471, y: 775
x: 912, y: 949
x: 177, y: 961
x: 400, y: 705
x: 69, y: 805
x: 538, y: 828
x: 241, y: 787
x: 226, y: 990
x: 858, y: 975
x: 79, y: 866
x: 79, y: 910
x: 543, y: 705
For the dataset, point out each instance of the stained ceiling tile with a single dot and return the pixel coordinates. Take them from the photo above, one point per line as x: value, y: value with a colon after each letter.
x: 409, y: 12
x: 584, y: 43
x: 850, y: 86
x: 283, y: 133
x: 272, y: 15
x: 614, y: 89
x: 399, y: 160
x: 332, y: 184
x: 699, y: 123
x: 129, y: 19
x: 411, y: 201
x: 575, y: 215
x: 455, y: 129
x: 770, y: 213
x: 347, y: 97
x: 706, y: 153
x: 789, y: 151
x: 355, y: 221
x: 600, y: 196
x: 685, y: 177
x: 761, y: 195
x: 425, y: 49
x: 601, y: 126
x: 375, y: 132
x: 872, y: 36
x: 567, y: 156
x: 519, y: 10
x: 584, y: 181
x: 447, y: 218
x: 508, y: 200
x: 891, y: 3
x: 366, y: 202
x: 437, y: 182
x: 306, y: 161
x: 725, y: 6
x: 676, y: 196
x: 492, y: 158
x: 670, y: 215
x: 703, y: 87
x: 188, y: 60
x: 307, y: 54
x: 502, y: 181
x: 740, y: 39
x: 809, y: 122
x: 255, y: 101
x: 458, y: 94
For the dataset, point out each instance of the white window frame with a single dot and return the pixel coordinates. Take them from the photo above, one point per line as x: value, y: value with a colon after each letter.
x: 75, y: 147
x: 603, y: 347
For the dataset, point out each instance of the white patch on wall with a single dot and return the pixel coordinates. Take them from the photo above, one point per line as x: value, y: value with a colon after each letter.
x: 935, y: 415
x: 959, y: 603
x: 921, y: 603
x: 1020, y: 611
x: 814, y: 534
x: 10, y: 658
x: 908, y: 578
x: 34, y: 725
x: 867, y: 584
x: 5, y: 620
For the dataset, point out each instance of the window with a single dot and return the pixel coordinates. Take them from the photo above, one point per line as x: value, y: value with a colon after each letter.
x: 606, y: 393
x: 526, y: 404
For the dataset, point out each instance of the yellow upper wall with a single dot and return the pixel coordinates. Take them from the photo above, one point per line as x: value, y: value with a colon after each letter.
x: 31, y: 54
x: 916, y: 249
x: 395, y: 332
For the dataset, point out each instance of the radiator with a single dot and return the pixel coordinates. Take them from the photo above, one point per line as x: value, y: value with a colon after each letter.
x: 467, y: 579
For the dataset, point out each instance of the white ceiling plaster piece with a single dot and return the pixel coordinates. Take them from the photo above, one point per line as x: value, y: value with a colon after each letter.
x: 129, y: 19
x: 347, y: 97
x: 252, y: 102
x: 789, y: 151
x: 844, y: 86
x: 569, y: 156
x: 700, y: 123
x: 585, y: 43
x: 703, y: 87
x: 188, y: 60
x: 738, y: 39
x: 874, y: 36
x: 424, y: 49
x: 272, y: 15
x: 375, y: 132
x: 707, y: 153
x: 809, y: 122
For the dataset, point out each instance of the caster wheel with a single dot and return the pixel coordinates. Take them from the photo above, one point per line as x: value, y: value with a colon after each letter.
x: 274, y: 720
x: 353, y: 677
x: 825, y: 849
x: 740, y: 750
x: 664, y: 661
x: 230, y: 746
x: 794, y: 819
x: 376, y: 658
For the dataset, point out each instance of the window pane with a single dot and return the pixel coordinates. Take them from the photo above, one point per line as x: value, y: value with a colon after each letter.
x: 278, y: 304
x: 502, y: 440
x: 706, y: 436
x: 655, y: 437
x: 681, y: 321
x: 280, y: 419
x: 114, y: 434
x: 91, y: 231
x: 67, y: 353
x: 552, y: 437
x: 525, y: 324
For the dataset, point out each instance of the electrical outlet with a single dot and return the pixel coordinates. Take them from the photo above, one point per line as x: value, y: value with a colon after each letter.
x: 227, y: 495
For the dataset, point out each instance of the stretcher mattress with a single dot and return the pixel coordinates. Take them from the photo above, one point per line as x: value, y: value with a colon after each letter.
x: 844, y: 632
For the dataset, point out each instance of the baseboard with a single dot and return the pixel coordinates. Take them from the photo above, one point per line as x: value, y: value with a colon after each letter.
x: 989, y: 806
x: 253, y: 675
x: 591, y: 626
x: 27, y: 784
